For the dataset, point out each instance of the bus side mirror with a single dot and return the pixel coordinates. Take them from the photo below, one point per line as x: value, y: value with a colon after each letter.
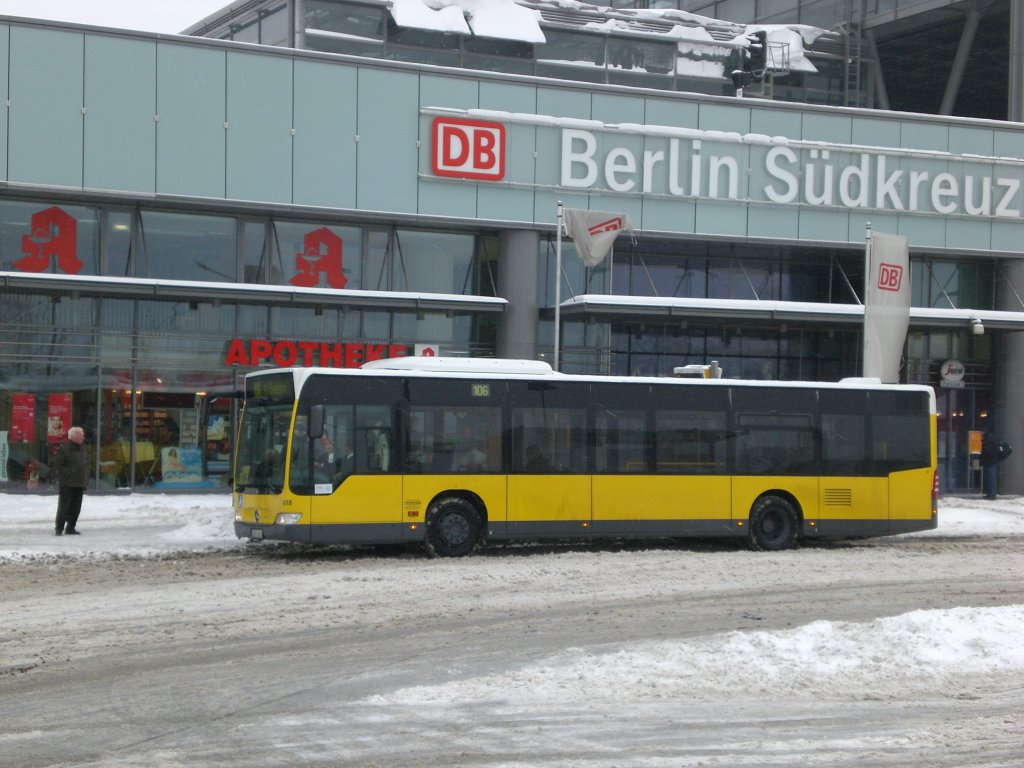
x: 316, y: 421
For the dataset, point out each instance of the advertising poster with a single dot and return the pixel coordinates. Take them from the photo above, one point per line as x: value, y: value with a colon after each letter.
x: 216, y: 428
x: 58, y: 419
x: 23, y: 418
x: 181, y: 465
x: 188, y: 425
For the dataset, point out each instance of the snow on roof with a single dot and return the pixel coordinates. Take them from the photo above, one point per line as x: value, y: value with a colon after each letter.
x: 521, y: 19
x: 488, y: 365
x: 415, y: 13
x: 504, y: 19
x: 486, y: 18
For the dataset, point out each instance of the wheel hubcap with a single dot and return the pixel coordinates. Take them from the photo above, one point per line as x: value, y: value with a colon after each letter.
x: 454, y: 529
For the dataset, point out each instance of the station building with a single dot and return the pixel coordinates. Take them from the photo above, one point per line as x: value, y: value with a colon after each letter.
x: 312, y: 182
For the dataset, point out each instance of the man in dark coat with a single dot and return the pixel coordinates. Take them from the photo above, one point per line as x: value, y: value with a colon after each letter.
x: 992, y: 452
x: 72, y: 477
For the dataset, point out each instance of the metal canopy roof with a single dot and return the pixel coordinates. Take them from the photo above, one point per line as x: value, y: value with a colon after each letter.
x: 677, y: 309
x: 234, y: 293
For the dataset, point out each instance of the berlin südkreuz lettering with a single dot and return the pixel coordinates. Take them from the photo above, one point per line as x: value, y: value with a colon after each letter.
x: 685, y: 167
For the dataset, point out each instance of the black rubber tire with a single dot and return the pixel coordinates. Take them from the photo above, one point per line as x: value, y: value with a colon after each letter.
x: 453, y: 527
x: 774, y: 524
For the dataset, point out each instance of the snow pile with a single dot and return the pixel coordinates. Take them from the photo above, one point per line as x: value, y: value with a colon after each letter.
x: 205, y: 523
x: 923, y: 653
x: 117, y: 526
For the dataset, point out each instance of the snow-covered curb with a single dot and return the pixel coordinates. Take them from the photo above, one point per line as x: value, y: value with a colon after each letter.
x: 155, y: 525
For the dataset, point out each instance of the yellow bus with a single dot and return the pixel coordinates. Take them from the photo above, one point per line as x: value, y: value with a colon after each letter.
x: 451, y: 453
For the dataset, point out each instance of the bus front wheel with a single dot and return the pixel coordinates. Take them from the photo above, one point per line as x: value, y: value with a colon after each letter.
x: 774, y: 524
x: 453, y: 527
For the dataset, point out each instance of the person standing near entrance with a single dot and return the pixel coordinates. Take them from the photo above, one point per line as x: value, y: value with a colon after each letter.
x: 72, y: 478
x: 992, y: 452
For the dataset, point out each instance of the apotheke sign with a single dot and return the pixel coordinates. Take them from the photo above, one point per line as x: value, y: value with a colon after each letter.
x: 712, y: 165
x: 286, y: 352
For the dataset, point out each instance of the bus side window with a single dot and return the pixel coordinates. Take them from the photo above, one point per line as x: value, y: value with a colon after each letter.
x: 552, y: 439
x: 689, y: 442
x: 620, y: 441
x: 378, y: 449
x: 900, y: 429
x: 334, y: 458
x: 843, y: 444
x: 373, y: 438
x: 844, y: 432
x: 775, y: 444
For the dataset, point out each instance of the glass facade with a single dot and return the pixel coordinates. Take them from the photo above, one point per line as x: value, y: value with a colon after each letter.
x: 267, y: 26
x: 154, y: 380
x: 764, y: 349
x: 116, y: 242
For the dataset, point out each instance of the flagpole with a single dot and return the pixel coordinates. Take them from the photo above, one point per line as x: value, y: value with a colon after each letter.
x: 867, y: 292
x: 558, y: 286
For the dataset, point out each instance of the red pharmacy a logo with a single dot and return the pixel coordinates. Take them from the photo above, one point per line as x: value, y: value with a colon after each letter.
x: 321, y: 255
x: 54, y: 233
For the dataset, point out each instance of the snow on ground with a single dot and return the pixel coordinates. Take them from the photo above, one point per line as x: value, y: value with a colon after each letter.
x: 913, y: 655
x: 154, y: 525
x: 117, y: 526
x: 919, y: 652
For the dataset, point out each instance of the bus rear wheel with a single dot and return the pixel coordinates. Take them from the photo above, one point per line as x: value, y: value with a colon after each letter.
x: 774, y: 524
x: 453, y: 527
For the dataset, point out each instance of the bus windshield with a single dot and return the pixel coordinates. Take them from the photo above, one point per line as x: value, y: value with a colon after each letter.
x: 263, y: 434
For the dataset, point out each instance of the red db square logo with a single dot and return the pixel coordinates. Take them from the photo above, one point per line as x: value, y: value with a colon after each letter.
x: 469, y: 149
x: 890, y: 277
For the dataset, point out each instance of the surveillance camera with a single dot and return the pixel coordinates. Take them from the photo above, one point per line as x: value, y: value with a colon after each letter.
x: 977, y: 328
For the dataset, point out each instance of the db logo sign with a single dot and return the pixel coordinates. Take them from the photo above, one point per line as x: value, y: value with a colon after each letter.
x: 890, y: 277
x: 469, y: 149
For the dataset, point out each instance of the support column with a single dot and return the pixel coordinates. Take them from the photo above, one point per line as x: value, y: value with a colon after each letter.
x: 1009, y: 393
x: 956, y: 76
x: 518, y: 265
x: 881, y: 92
x: 1016, y: 63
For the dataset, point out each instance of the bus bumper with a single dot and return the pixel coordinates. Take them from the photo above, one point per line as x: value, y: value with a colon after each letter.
x: 255, y: 532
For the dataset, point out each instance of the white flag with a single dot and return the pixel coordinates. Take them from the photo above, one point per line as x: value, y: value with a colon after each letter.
x: 593, y: 232
x: 886, y: 307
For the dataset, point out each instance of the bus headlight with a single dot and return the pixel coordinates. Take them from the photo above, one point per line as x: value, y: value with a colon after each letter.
x: 288, y: 518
